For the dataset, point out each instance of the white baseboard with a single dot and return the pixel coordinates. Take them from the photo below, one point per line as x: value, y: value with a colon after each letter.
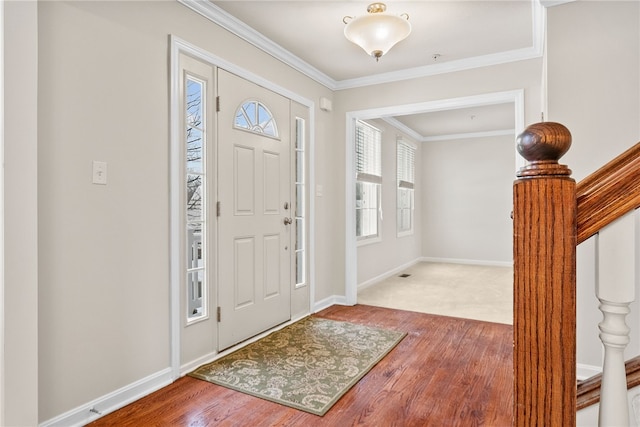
x: 587, y: 371
x: 328, y: 302
x: 194, y: 364
x: 468, y: 261
x: 108, y: 403
x: 95, y: 409
x: 387, y: 274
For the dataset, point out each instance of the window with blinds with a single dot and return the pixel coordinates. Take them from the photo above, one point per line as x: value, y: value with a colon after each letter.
x: 368, y: 144
x: 406, y: 165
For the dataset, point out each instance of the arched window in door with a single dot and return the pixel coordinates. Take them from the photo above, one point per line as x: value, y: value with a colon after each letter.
x: 255, y: 117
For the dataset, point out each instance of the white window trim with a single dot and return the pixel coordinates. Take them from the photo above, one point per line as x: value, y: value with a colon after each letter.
x: 303, y: 183
x: 206, y: 268
x: 414, y: 147
x: 364, y: 241
x: 376, y: 180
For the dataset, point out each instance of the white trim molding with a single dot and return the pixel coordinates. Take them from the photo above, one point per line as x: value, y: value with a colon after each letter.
x: 470, y: 135
x: 2, y: 376
x: 386, y: 275
x: 421, y: 138
x: 351, y: 254
x: 174, y: 207
x: 108, y: 403
x: 329, y: 301
x: 443, y: 68
x: 245, y: 32
x: 552, y: 3
x: 488, y: 263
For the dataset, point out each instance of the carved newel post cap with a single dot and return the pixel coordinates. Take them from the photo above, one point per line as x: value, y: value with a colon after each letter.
x: 543, y: 144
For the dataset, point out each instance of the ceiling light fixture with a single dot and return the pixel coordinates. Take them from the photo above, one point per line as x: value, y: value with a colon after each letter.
x: 377, y: 32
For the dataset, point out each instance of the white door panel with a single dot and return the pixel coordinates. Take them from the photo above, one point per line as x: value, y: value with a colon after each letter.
x: 244, y: 180
x: 254, y: 187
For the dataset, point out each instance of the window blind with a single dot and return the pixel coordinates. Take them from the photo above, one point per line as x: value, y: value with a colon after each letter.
x: 406, y: 165
x: 368, y: 153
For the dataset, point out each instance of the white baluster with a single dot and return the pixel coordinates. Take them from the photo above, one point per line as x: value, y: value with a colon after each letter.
x: 614, y: 333
x: 615, y: 288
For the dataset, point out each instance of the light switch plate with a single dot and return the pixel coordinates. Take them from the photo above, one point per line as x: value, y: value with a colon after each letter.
x: 99, y: 172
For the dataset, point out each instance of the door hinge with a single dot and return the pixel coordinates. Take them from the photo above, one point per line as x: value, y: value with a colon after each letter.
x: 217, y: 104
x: 219, y: 314
x: 218, y: 208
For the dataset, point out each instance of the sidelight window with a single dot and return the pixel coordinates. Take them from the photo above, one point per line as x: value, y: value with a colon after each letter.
x: 300, y: 214
x: 195, y: 209
x: 368, y: 144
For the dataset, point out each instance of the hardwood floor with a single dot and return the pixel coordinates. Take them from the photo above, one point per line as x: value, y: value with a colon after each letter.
x: 446, y: 372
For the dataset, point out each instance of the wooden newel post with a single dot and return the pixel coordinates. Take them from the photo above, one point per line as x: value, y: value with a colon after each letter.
x: 544, y: 253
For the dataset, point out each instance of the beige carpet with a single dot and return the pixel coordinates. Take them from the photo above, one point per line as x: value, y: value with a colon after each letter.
x: 468, y: 291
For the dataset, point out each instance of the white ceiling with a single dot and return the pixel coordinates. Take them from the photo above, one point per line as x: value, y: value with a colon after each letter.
x: 461, y: 122
x: 464, y: 34
x: 456, y: 30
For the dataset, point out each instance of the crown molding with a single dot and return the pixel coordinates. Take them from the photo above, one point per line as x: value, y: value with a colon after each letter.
x: 403, y: 128
x: 443, y: 68
x: 538, y: 23
x: 243, y: 31
x: 551, y: 3
x: 421, y: 138
x: 470, y: 135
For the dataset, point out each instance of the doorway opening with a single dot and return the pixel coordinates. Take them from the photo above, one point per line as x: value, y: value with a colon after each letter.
x: 515, y: 98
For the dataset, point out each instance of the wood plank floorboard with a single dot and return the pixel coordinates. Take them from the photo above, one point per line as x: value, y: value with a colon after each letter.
x: 446, y: 372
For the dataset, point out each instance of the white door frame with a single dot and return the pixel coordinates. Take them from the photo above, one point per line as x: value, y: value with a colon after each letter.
x: 351, y: 253
x: 2, y: 376
x: 179, y: 46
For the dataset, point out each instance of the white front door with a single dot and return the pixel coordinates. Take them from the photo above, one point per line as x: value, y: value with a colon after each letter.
x: 254, y: 193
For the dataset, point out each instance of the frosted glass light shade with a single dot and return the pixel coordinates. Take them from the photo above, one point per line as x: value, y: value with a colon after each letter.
x: 376, y: 33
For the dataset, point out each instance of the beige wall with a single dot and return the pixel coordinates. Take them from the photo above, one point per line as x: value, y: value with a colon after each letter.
x: 594, y: 89
x: 593, y: 79
x: 523, y: 75
x: 380, y: 258
x: 20, y: 310
x: 505, y: 77
x: 463, y: 201
x: 467, y: 198
x: 104, y: 250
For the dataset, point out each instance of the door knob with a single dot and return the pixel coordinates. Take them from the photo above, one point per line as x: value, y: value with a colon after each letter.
x: 287, y: 221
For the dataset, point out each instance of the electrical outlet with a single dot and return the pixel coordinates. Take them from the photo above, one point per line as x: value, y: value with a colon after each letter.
x: 99, y: 172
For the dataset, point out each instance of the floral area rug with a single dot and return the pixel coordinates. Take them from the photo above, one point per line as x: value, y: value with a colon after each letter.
x: 307, y: 365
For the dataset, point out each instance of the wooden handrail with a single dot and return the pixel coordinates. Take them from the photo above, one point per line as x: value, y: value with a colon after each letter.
x: 544, y: 300
x: 608, y: 193
x: 551, y: 216
x: 589, y: 389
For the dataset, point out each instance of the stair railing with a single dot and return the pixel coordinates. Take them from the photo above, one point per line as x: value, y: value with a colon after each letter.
x: 551, y: 216
x: 544, y: 297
